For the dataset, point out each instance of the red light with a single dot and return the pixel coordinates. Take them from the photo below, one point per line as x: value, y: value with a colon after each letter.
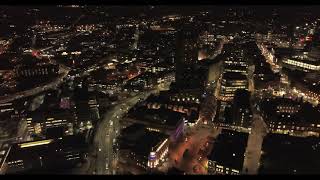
x: 35, y: 53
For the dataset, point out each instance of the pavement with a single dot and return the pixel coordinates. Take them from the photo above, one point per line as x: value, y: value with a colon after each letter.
x: 253, y: 152
x: 194, y: 162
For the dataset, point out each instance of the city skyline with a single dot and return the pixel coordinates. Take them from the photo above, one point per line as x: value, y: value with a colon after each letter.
x: 207, y: 89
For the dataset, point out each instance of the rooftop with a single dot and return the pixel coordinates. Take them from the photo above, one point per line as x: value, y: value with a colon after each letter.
x: 234, y: 76
x: 284, y: 154
x: 159, y: 116
x: 229, y: 149
x: 306, y: 113
x: 143, y: 142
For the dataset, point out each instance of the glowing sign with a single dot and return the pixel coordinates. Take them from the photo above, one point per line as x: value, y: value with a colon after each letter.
x: 152, y: 156
x: 36, y: 143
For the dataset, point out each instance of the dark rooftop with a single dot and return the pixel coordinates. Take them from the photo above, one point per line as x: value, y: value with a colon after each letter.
x: 142, y: 142
x: 234, y: 76
x: 284, y: 154
x: 229, y: 149
x: 160, y: 116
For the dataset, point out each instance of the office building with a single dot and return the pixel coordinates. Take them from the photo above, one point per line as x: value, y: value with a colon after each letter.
x: 162, y: 120
x: 231, y: 81
x: 143, y: 147
x: 241, y: 109
x: 189, y: 73
x: 287, y: 116
x: 47, y: 154
x: 227, y: 156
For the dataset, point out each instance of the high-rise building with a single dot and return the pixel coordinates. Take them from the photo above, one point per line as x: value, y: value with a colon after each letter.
x: 187, y: 48
x: 189, y: 73
x: 242, y: 114
x: 231, y: 81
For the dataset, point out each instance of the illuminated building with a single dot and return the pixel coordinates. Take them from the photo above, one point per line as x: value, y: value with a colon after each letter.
x: 231, y: 82
x: 307, y: 62
x: 167, y: 100
x: 286, y: 116
x: 48, y: 154
x: 235, y: 61
x: 40, y: 70
x: 236, y: 68
x: 309, y: 92
x: 227, y: 156
x: 189, y: 73
x: 33, y: 68
x: 143, y: 81
x: 303, y: 65
x: 143, y: 146
x: 39, y: 122
x: 187, y: 96
x: 86, y: 109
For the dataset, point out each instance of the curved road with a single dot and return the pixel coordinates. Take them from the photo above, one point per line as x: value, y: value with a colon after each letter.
x: 64, y: 72
x: 105, y: 159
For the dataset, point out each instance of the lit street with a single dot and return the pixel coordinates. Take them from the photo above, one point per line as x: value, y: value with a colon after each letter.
x: 105, y: 158
x: 153, y: 89
x: 253, y: 151
x: 196, y: 140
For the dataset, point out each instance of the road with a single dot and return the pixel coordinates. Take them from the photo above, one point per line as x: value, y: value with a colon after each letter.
x: 254, y: 145
x: 64, y: 70
x: 108, y: 129
x: 43, y: 87
x: 106, y: 133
